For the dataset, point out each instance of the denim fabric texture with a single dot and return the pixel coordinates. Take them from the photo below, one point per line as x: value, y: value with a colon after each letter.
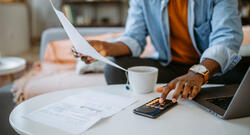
x: 214, y: 27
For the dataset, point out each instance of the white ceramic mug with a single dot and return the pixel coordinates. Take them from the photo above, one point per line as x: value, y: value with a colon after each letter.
x: 142, y: 79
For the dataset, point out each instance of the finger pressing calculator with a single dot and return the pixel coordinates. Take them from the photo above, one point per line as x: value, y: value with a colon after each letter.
x: 153, y: 109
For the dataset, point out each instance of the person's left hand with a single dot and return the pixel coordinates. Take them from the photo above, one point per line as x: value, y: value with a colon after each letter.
x: 188, y: 86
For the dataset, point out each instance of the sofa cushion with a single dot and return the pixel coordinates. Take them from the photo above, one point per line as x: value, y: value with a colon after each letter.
x: 49, y: 77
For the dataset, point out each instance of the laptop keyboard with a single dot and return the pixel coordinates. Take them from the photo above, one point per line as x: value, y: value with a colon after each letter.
x: 222, y: 102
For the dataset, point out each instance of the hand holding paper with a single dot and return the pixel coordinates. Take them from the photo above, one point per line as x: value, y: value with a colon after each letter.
x: 80, y: 44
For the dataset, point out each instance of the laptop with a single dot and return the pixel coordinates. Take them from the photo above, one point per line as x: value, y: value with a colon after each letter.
x: 227, y: 102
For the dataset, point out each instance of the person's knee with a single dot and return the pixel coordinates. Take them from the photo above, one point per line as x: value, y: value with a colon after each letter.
x: 114, y: 75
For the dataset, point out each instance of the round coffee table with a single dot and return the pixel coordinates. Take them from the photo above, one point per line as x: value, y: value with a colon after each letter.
x: 9, y: 66
x: 185, y: 118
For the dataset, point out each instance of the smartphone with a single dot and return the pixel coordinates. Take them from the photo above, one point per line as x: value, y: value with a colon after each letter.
x: 153, y: 108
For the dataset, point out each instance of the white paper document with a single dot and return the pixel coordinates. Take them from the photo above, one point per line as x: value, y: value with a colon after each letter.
x: 80, y: 44
x: 75, y: 114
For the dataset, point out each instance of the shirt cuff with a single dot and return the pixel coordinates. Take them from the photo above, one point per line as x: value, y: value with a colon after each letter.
x: 226, y: 57
x: 132, y: 44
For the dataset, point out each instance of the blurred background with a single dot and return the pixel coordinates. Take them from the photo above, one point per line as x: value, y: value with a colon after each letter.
x: 23, y: 21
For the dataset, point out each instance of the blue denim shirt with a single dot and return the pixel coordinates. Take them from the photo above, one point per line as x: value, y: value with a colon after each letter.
x: 214, y: 27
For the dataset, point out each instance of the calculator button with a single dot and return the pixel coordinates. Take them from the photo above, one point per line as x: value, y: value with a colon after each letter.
x: 164, y: 107
x: 148, y: 104
x: 161, y: 108
x: 152, y: 102
x: 155, y: 101
x: 156, y: 104
x: 167, y: 102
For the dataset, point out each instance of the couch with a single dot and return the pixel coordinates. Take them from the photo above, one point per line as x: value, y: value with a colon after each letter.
x: 52, y: 76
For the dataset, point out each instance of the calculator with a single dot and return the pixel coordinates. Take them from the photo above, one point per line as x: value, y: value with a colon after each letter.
x: 153, y: 109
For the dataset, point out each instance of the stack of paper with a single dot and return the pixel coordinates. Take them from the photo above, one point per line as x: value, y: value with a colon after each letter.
x: 75, y: 114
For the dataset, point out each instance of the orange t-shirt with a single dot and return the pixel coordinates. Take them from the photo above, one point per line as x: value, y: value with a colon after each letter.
x: 182, y: 49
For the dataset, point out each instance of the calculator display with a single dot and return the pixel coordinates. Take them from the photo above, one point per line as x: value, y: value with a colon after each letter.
x: 153, y: 109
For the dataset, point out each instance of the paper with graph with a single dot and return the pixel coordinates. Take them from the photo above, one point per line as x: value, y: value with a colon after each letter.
x: 80, y: 44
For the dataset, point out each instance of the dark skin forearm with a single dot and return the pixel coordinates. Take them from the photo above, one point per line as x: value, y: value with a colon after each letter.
x: 118, y: 49
x: 188, y: 85
x: 212, y: 66
x: 105, y: 49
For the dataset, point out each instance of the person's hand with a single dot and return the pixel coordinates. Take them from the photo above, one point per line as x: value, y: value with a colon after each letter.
x: 188, y: 86
x: 100, y: 46
x: 105, y: 49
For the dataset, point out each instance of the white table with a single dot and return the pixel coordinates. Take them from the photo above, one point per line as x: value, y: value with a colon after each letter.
x: 185, y: 118
x: 10, y: 65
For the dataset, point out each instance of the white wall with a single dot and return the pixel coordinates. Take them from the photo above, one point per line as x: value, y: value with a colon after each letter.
x: 14, y: 28
x: 42, y: 15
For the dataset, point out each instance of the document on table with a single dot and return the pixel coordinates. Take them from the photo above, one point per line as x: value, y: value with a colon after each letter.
x: 77, y: 113
x: 80, y: 44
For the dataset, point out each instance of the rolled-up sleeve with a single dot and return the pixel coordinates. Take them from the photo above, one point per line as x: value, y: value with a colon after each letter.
x: 227, y: 58
x: 135, y: 32
x: 226, y: 36
x: 132, y: 44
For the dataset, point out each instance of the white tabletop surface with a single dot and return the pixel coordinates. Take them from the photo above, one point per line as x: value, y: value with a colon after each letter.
x: 9, y: 65
x: 184, y: 119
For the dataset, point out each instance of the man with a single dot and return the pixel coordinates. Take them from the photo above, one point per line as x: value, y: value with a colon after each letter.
x: 194, y: 40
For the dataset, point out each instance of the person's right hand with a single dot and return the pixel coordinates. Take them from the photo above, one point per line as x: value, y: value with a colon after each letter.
x: 105, y: 49
x: 100, y: 46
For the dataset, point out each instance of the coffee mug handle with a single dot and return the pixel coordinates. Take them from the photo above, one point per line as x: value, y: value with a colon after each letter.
x: 127, y: 86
